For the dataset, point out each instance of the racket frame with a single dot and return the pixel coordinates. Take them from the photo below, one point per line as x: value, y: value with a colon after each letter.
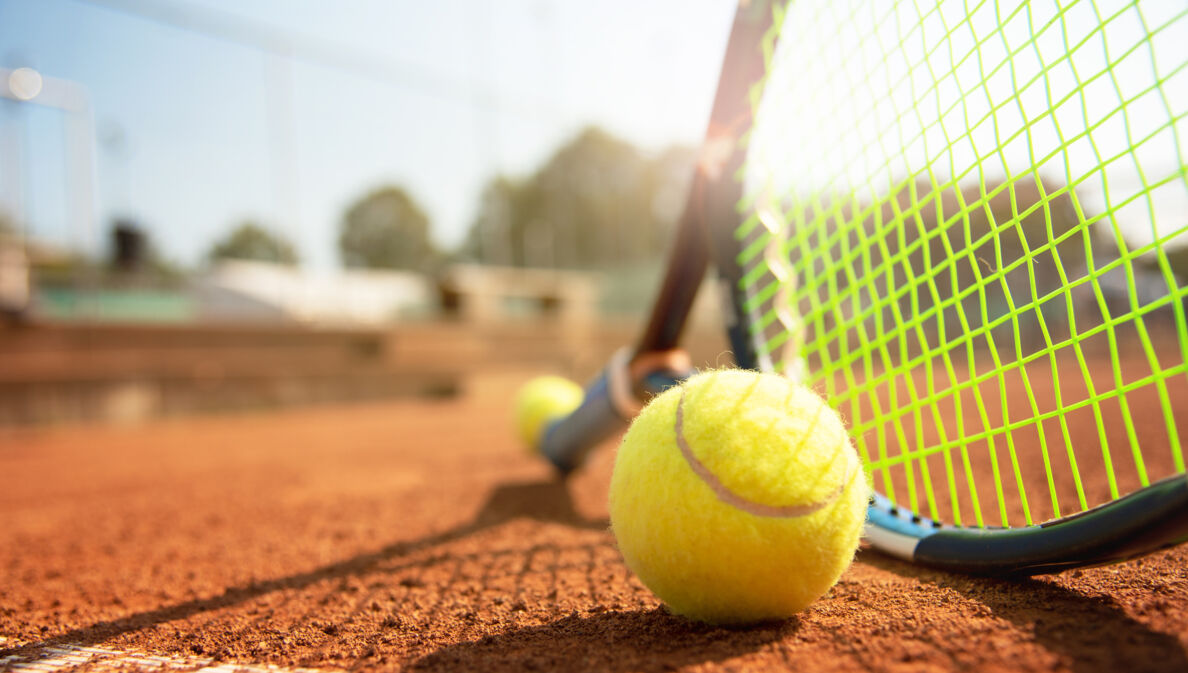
x: 1142, y: 522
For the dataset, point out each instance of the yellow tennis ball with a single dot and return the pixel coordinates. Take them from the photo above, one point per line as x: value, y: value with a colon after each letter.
x: 541, y: 400
x: 738, y: 497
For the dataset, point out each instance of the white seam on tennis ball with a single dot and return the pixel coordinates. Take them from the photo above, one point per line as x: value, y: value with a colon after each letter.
x: 735, y: 500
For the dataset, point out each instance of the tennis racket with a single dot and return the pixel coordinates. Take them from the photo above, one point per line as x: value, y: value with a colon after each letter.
x: 966, y: 224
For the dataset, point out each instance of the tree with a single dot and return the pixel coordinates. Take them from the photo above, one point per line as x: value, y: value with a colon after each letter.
x: 386, y: 230
x: 252, y: 241
x: 597, y: 202
x: 490, y: 237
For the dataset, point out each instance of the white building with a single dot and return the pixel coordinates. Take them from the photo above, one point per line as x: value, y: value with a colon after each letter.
x: 348, y: 297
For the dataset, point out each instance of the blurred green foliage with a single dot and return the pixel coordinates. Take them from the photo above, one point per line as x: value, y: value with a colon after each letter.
x: 386, y: 229
x: 251, y: 241
x: 598, y: 202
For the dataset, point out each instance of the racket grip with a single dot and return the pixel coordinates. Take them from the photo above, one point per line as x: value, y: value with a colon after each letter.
x: 608, y: 406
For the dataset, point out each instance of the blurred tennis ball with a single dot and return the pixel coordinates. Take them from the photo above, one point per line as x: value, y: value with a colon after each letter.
x: 540, y: 401
x: 738, y: 497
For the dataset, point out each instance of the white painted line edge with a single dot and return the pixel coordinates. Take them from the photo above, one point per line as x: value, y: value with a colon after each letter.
x: 59, y: 657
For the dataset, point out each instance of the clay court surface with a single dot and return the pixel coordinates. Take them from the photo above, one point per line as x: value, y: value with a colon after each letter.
x: 416, y: 535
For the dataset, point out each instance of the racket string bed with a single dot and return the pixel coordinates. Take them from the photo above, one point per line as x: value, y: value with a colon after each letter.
x: 964, y: 223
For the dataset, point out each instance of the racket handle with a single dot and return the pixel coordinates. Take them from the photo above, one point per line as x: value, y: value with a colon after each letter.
x: 608, y: 406
x: 567, y: 440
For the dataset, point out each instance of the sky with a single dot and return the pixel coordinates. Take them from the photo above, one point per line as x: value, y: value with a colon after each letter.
x: 209, y: 112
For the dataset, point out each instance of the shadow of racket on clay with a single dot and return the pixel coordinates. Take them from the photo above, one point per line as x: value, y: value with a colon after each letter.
x: 1092, y: 632
x: 608, y: 642
x: 544, y: 501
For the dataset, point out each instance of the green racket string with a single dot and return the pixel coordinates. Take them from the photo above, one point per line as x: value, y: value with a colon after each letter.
x: 967, y: 225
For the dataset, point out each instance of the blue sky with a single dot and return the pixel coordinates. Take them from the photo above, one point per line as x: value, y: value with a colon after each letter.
x: 197, y: 132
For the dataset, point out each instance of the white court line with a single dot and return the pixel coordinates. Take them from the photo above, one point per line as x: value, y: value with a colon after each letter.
x: 60, y: 657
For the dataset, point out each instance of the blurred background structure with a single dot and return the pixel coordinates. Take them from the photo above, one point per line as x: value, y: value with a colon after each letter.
x: 214, y: 207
